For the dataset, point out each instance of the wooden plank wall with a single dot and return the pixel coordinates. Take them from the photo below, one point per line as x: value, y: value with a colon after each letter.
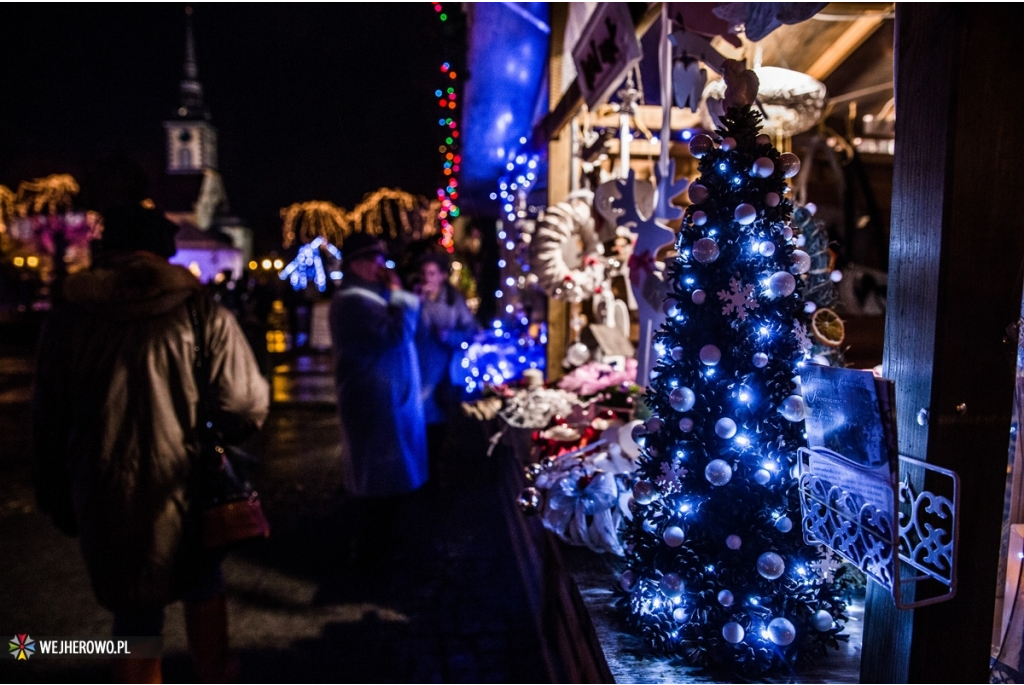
x: 956, y: 253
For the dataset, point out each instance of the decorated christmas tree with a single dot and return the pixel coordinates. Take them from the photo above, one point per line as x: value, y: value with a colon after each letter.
x: 717, y: 568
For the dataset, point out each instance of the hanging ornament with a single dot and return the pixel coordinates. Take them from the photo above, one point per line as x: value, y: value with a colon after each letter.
x: 760, y: 360
x: 745, y: 214
x: 733, y: 632
x: 781, y: 284
x: 699, y: 218
x: 671, y: 585
x: 674, y: 536
x: 772, y: 199
x: 792, y: 408
x: 739, y: 298
x: 686, y: 424
x: 679, y: 614
x: 770, y: 565
x: 734, y: 542
x: 822, y: 621
x: 801, y: 262
x: 784, y: 524
x: 718, y: 472
x: 728, y: 144
x: 705, y: 250
x: 763, y: 167
x: 577, y: 354
x: 627, y: 580
x: 532, y: 471
x: 529, y: 501
x: 677, y: 353
x: 644, y: 492
x: 803, y: 339
x: 682, y: 399
x: 653, y: 424
x: 710, y: 355
x: 698, y: 296
x: 781, y: 631
x: 725, y: 428
x: 725, y: 598
x: 767, y: 248
x: 698, y: 193
x: 700, y: 145
x: 762, y: 476
x: 790, y: 164
x: 670, y: 481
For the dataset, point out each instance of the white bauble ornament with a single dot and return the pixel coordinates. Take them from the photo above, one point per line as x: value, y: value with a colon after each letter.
x: 745, y: 214
x: 682, y: 399
x: 671, y: 585
x: 725, y: 428
x: 811, y: 208
x: 653, y: 424
x: 627, y: 580
x: 733, y: 632
x: 781, y: 284
x: 762, y: 476
x: 725, y: 598
x: 790, y: 164
x: 644, y: 492
x: 835, y: 276
x: 793, y: 408
x: 763, y: 139
x: 677, y: 353
x: 771, y: 565
x: 701, y: 145
x: 822, y: 621
x: 728, y: 143
x: 674, y: 536
x: 577, y: 354
x: 710, y: 355
x: 810, y: 307
x: 772, y: 199
x: 767, y: 248
x: 734, y: 542
x: 760, y: 360
x: 763, y: 167
x: 671, y: 309
x: 698, y: 296
x: 801, y: 262
x: 784, y: 524
x: 679, y: 614
x: 781, y: 631
x: 705, y: 250
x: 699, y: 218
x: 628, y: 436
x: 698, y: 193
x: 718, y: 472
x: 686, y: 424
x: 787, y: 232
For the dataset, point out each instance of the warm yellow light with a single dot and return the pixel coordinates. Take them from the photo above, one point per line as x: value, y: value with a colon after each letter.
x: 278, y: 264
x: 32, y: 261
x: 253, y: 265
x: 19, y: 261
x: 267, y: 264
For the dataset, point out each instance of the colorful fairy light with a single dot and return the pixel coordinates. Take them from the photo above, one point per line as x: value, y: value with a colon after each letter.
x: 450, y: 159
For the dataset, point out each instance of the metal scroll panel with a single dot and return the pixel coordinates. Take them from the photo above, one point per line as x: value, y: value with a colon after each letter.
x: 881, y: 523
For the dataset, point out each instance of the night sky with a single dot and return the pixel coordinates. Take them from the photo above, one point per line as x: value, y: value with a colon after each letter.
x: 325, y: 101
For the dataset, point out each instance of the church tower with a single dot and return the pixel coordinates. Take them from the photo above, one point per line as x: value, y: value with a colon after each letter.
x: 191, y: 139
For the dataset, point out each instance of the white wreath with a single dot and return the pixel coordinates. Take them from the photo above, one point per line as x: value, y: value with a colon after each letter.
x: 557, y: 232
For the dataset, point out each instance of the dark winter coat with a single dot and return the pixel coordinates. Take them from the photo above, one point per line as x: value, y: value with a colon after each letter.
x: 445, y: 324
x: 114, y: 411
x: 383, y: 436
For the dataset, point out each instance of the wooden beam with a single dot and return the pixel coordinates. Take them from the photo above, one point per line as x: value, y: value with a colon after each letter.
x: 837, y: 53
x: 559, y: 170
x: 650, y: 116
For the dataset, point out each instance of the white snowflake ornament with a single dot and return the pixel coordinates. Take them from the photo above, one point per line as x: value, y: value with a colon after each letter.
x: 670, y: 480
x: 824, y: 569
x: 803, y: 340
x: 739, y: 298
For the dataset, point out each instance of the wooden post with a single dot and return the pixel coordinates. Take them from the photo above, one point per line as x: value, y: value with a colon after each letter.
x: 955, y: 256
x: 559, y: 170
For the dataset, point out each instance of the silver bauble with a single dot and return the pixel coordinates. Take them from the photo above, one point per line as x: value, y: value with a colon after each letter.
x: 733, y: 632
x: 760, y: 360
x: 699, y: 218
x: 772, y: 199
x: 784, y: 524
x: 725, y: 598
x: 822, y: 621
x: 745, y: 214
x: 763, y: 167
x: 644, y: 492
x: 801, y: 262
x: 710, y: 355
x: 532, y: 471
x: 698, y: 193
x: 529, y: 501
x: 734, y: 542
x: 781, y: 284
x: 627, y: 580
x: 577, y: 354
x: 771, y: 565
x: 725, y: 428
x: 728, y: 143
x: 767, y: 248
x: 793, y: 408
x: 674, y: 536
x: 698, y: 296
x: 781, y: 631
x: 682, y: 399
x: 671, y: 585
x: 705, y: 250
x: 762, y: 476
x: 686, y: 424
x: 701, y: 144
x: 790, y: 164
x: 718, y: 472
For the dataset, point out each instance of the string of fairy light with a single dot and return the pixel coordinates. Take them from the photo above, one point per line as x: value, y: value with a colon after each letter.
x: 448, y: 193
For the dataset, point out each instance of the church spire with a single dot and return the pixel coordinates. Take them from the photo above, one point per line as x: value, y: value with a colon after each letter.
x: 192, y: 106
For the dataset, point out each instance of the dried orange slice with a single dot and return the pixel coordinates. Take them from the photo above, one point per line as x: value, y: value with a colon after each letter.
x: 827, y: 327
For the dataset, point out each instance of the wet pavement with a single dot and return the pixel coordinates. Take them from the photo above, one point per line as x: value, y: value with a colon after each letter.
x: 445, y: 603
